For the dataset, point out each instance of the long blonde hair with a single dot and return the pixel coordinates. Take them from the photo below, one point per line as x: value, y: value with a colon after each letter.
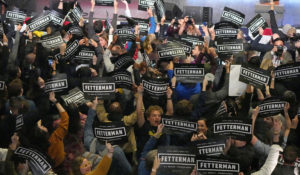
x: 147, y: 44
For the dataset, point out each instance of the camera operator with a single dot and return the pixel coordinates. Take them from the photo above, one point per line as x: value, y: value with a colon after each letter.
x: 277, y: 56
x: 174, y: 27
x: 188, y: 27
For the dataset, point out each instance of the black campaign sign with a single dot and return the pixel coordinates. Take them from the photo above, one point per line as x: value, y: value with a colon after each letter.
x: 233, y: 16
x: 15, y: 16
x: 57, y: 83
x: 257, y: 22
x: 123, y: 62
x: 195, y: 40
x: 176, y: 160
x: 144, y: 4
x: 287, y: 71
x: 237, y: 128
x: 160, y: 9
x: 75, y: 14
x: 19, y: 122
x: 254, y: 76
x: 187, y: 46
x: 52, y: 41
x: 211, y: 147
x: 72, y: 48
x: 125, y: 34
x: 226, y: 29
x: 123, y: 79
x: 2, y: 85
x: 189, y: 73
x: 271, y: 107
x: 226, y: 48
x: 39, y: 22
x: 56, y: 18
x: 174, y: 126
x: 208, y: 165
x: 75, y: 96
x: 36, y: 158
x: 222, y: 109
x: 84, y: 55
x: 155, y: 87
x: 170, y: 50
x: 103, y: 88
x: 113, y: 132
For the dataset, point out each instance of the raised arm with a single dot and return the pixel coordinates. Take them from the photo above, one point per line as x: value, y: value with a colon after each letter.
x: 115, y: 17
x: 140, y: 107
x: 170, y: 110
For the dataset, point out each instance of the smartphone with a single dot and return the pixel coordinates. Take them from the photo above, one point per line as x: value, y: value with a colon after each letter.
x: 204, y: 23
x: 50, y: 61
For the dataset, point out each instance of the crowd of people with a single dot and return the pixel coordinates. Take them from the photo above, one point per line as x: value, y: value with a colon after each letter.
x: 63, y: 134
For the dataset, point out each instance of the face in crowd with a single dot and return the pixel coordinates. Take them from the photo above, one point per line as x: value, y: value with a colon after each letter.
x: 154, y: 118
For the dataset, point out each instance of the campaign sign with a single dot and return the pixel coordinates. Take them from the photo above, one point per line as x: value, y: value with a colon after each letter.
x: 216, y: 166
x: 255, y: 23
x: 226, y: 48
x: 39, y: 22
x: 123, y: 62
x: 112, y: 132
x: 53, y: 41
x: 170, y: 50
x: 56, y: 18
x: 189, y: 73
x: 254, y: 76
x: 103, y: 88
x: 84, y: 55
x: 237, y: 128
x: 233, y: 16
x: 75, y: 30
x: 144, y: 25
x: 75, y: 96
x: 160, y: 9
x: 195, y: 40
x: 72, y: 48
x: 75, y: 14
x: 222, y: 109
x: 125, y: 34
x: 57, y: 83
x: 144, y: 4
x: 271, y: 106
x: 123, y: 79
x: 288, y: 71
x: 15, y: 16
x: 19, y: 122
x: 176, y: 160
x: 37, y: 159
x: 211, y: 147
x: 178, y: 126
x: 187, y: 46
x: 226, y: 29
x: 155, y: 87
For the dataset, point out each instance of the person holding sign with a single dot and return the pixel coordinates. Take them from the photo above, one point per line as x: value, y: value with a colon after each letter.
x: 146, y: 128
x: 120, y: 164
